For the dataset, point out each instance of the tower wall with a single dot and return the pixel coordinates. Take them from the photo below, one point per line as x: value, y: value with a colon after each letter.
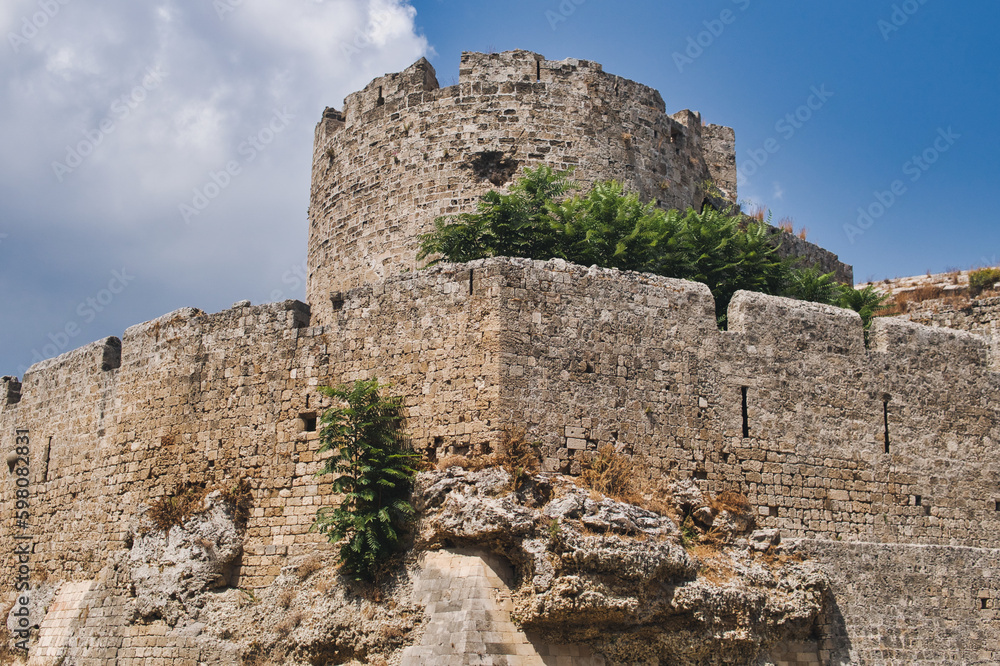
x: 405, y: 151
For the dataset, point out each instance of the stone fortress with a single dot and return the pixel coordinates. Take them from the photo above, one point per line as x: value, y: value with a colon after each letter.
x: 880, y: 460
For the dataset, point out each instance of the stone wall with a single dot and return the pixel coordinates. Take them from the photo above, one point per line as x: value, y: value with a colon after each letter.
x: 976, y: 315
x: 791, y: 246
x: 579, y: 358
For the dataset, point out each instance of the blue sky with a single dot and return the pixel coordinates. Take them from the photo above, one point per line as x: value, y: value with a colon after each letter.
x: 165, y: 95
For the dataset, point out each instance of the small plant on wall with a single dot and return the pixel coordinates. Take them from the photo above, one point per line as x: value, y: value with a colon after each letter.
x: 374, y: 471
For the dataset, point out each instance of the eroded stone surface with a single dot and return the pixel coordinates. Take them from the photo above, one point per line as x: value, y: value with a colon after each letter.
x: 613, y: 576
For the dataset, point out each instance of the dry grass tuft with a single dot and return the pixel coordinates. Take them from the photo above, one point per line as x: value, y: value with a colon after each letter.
x: 900, y: 301
x: 285, y: 598
x: 516, y: 455
x: 324, y: 584
x: 239, y: 495
x: 186, y: 501
x: 715, y: 567
x: 309, y: 566
x: 757, y: 211
x: 611, y: 473
x: 289, y: 623
x: 735, y: 503
x: 392, y: 631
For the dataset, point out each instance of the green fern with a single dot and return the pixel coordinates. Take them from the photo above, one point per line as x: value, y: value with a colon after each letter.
x: 374, y: 471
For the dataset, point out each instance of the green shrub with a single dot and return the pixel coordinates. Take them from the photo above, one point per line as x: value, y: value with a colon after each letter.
x: 812, y: 284
x: 867, y: 302
x: 613, y: 229
x: 505, y: 225
x: 374, y: 471
x: 983, y: 279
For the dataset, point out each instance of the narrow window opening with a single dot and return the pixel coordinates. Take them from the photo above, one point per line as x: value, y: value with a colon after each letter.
x: 307, y: 401
x: 983, y: 603
x: 725, y: 457
x: 471, y: 274
x: 337, y: 300
x: 996, y: 505
x: 381, y: 100
x: 772, y: 511
x: 917, y: 500
x: 45, y: 460
x: 538, y: 70
x: 746, y: 416
x: 885, y: 422
x: 307, y: 422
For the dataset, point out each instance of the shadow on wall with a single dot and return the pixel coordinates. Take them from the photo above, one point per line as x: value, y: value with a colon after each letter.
x: 835, y: 637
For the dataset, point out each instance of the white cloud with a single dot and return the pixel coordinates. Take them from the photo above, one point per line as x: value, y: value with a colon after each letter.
x: 223, y: 81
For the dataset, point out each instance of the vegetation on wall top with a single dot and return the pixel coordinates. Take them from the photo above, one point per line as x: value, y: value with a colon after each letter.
x: 544, y: 217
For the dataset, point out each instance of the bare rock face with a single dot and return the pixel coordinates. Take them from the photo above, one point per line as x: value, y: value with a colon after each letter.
x: 169, y: 571
x: 622, y: 579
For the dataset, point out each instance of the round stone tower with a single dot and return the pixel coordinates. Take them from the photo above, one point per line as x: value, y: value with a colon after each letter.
x: 405, y: 151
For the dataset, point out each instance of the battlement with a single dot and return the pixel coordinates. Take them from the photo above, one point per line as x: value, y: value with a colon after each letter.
x: 389, y: 93
x: 10, y: 391
x: 833, y: 442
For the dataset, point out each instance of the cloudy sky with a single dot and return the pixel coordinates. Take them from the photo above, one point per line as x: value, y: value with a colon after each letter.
x: 157, y: 153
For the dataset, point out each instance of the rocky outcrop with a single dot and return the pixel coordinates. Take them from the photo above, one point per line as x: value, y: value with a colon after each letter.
x: 170, y: 569
x: 627, y: 581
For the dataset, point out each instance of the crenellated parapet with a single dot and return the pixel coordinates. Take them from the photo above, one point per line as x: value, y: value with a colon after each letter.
x: 888, y: 448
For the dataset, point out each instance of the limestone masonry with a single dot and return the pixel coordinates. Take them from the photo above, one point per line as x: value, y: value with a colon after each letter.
x: 880, y: 461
